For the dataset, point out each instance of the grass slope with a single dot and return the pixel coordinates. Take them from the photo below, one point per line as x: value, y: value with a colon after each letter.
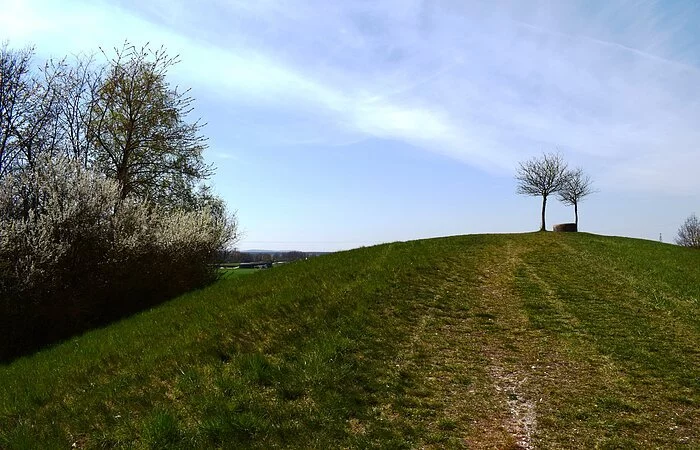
x: 489, y: 341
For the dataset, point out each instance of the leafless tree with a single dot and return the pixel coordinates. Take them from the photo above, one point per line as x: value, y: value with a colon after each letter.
x: 30, y: 104
x: 41, y: 131
x: 689, y: 233
x: 542, y: 177
x: 15, y: 95
x: 79, y: 84
x: 577, y: 185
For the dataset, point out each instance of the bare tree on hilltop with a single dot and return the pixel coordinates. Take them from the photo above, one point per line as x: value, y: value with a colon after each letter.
x: 542, y: 177
x: 577, y: 185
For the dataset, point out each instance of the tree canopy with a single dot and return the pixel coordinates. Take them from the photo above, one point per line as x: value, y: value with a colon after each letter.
x: 577, y: 185
x: 15, y: 102
x: 542, y: 177
x: 120, y: 118
x: 689, y: 232
x: 139, y: 129
x: 104, y: 208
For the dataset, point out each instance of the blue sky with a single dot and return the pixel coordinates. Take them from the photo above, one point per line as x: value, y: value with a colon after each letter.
x: 340, y: 124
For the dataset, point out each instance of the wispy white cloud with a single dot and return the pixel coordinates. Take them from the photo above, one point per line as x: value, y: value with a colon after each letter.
x: 226, y: 155
x: 613, y: 84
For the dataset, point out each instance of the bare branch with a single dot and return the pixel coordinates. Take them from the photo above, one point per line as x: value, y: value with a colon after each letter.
x: 689, y: 233
x: 541, y: 177
x: 577, y: 185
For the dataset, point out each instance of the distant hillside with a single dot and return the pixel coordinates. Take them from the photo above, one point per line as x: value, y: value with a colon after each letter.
x: 234, y: 256
x: 545, y: 340
x: 272, y: 252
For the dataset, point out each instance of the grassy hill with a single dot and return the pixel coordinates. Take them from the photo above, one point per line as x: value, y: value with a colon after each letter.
x: 487, y: 341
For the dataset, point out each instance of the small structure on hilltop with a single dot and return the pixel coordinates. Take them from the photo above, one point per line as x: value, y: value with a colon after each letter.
x: 566, y: 227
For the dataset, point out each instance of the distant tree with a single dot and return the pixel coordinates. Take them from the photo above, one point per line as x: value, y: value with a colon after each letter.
x: 293, y: 256
x: 689, y: 233
x: 542, y: 177
x: 577, y: 185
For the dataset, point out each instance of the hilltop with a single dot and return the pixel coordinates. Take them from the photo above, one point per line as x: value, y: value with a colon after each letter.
x: 546, y: 340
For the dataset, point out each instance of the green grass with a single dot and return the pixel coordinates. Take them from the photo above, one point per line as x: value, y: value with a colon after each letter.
x: 230, y: 272
x: 487, y: 341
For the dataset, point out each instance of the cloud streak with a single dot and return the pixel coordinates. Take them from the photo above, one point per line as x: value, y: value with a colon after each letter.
x: 612, y: 85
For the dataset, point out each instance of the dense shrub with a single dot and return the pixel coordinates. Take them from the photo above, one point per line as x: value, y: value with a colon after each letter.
x: 103, y: 204
x: 73, y: 254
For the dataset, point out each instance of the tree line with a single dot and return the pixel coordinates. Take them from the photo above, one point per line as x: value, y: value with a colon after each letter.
x: 235, y: 256
x: 104, y: 209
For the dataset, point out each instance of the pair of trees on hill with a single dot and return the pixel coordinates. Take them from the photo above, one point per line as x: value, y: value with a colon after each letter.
x: 103, y: 206
x: 550, y: 175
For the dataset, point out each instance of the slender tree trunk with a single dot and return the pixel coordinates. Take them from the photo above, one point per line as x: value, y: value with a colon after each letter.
x: 544, y: 206
x: 576, y: 214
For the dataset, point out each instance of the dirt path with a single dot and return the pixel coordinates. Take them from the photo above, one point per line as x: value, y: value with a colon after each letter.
x: 499, y: 359
x: 508, y: 349
x: 471, y: 385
